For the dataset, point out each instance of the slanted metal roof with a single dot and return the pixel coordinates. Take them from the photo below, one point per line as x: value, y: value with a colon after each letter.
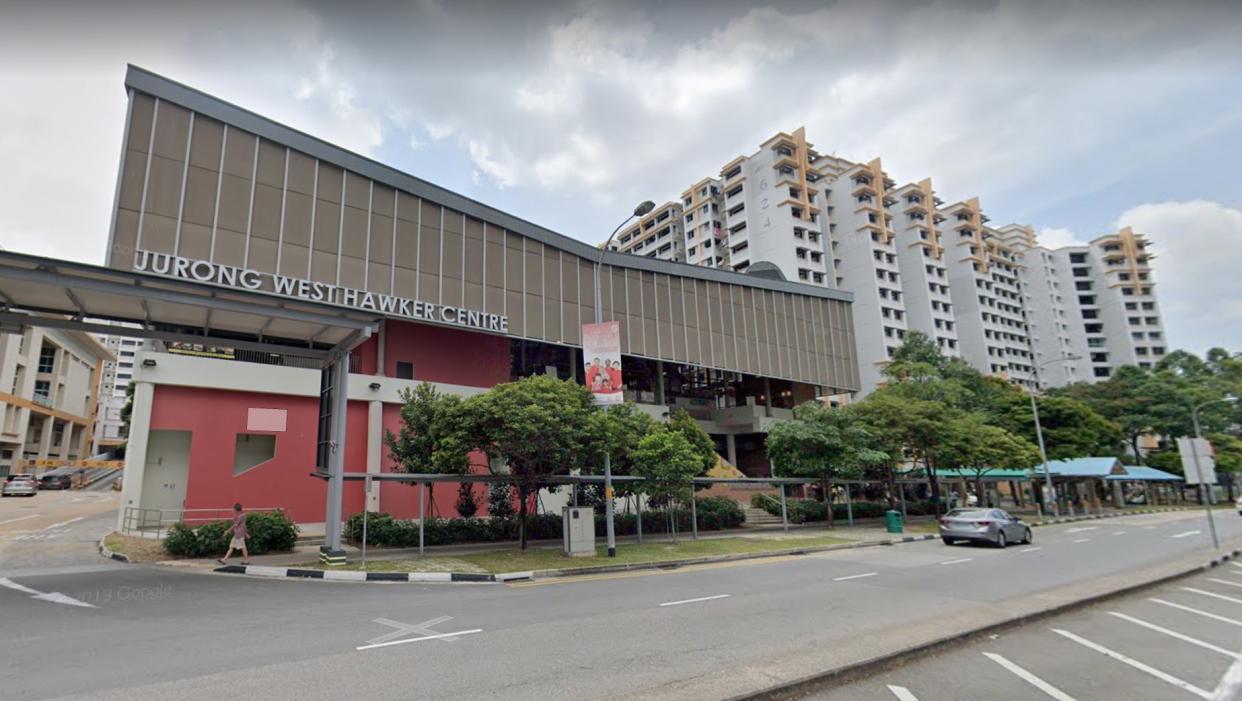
x: 70, y: 295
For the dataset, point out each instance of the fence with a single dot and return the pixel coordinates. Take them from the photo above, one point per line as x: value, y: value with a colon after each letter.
x: 148, y: 522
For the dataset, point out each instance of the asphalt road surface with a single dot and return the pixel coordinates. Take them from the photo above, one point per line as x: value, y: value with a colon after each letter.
x: 139, y: 632
x: 1178, y: 641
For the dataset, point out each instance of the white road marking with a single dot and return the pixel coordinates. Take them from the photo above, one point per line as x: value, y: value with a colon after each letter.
x: 1214, y: 595
x: 1184, y: 534
x: 1119, y: 532
x: 693, y: 601
x: 1205, y: 614
x: 860, y: 576
x: 1082, y: 540
x: 1229, y: 685
x: 955, y: 562
x: 19, y: 518
x: 1029, y: 550
x: 437, y: 636
x: 902, y: 693
x: 1235, y: 564
x: 1149, y: 528
x: 1162, y: 676
x: 64, y: 523
x: 1175, y: 634
x: 1225, y: 581
x: 423, y: 628
x: 1081, y: 529
x: 54, y: 597
x: 1029, y: 678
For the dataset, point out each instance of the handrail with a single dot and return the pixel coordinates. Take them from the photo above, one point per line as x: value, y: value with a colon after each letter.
x: 144, y: 520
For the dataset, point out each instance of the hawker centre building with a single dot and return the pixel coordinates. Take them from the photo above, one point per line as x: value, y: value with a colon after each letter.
x: 217, y: 204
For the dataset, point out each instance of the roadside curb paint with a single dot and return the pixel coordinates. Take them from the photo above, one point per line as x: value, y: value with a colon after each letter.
x: 477, y: 578
x: 106, y: 553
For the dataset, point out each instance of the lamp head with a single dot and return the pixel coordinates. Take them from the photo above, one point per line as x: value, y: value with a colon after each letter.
x: 644, y: 208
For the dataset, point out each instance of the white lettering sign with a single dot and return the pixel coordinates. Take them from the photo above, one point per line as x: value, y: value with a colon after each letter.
x: 250, y: 279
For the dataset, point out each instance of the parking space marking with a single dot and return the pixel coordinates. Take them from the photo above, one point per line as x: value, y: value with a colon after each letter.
x: 957, y: 562
x: 902, y: 693
x: 695, y: 601
x: 1214, y: 595
x: 854, y: 576
x: 1029, y: 678
x: 1185, y: 534
x: 1205, y: 614
x: 1175, y: 634
x: 1225, y: 581
x: 1142, y: 667
x: 1081, y: 540
x: 437, y: 636
x: 1229, y: 685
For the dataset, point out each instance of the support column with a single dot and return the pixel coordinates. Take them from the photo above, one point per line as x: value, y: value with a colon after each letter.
x: 331, y: 552
x: 660, y: 383
x: 375, y: 451
x: 731, y: 449
x: 136, y: 450
x: 45, y: 437
x: 767, y: 397
x: 66, y: 440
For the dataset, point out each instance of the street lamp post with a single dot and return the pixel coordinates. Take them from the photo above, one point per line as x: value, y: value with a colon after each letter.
x: 1194, y: 452
x: 1039, y: 435
x: 642, y: 209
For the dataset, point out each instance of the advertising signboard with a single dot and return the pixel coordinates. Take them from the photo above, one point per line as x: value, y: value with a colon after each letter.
x: 601, y: 358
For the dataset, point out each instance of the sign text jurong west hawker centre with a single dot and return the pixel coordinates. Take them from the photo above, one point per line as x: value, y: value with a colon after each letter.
x: 310, y: 290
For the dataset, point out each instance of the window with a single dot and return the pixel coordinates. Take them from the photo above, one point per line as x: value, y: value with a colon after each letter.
x: 47, y: 358
x: 690, y: 251
x: 405, y: 371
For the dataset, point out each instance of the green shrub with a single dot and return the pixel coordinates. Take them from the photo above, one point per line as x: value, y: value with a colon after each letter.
x: 266, y: 532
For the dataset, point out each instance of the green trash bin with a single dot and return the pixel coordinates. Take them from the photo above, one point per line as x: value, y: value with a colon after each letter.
x: 892, y: 521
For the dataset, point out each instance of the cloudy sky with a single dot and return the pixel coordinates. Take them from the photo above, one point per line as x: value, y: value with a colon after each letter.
x: 1073, y: 117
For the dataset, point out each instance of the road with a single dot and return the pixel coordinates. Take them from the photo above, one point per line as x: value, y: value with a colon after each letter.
x: 1177, y: 641
x: 701, y: 632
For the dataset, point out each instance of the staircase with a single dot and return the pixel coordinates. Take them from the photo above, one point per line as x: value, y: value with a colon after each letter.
x: 758, y: 518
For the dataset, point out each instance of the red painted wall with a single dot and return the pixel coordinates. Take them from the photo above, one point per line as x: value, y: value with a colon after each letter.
x: 215, y: 417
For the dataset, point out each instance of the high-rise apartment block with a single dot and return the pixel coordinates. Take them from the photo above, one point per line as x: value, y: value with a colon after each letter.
x: 110, y: 430
x: 991, y: 295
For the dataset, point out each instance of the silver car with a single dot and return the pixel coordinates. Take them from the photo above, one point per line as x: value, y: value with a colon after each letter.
x: 20, y: 486
x: 983, y: 526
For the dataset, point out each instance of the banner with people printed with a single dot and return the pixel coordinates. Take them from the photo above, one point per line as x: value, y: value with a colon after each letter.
x: 601, y: 356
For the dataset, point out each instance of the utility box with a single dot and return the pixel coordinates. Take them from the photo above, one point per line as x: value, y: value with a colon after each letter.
x: 578, y: 531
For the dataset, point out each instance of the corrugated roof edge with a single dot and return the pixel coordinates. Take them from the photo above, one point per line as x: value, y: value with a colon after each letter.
x: 144, y: 81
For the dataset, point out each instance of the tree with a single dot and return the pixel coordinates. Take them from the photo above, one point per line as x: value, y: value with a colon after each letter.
x: 500, y: 500
x: 899, y: 418
x: 1071, y: 428
x: 538, y: 426
x: 980, y: 448
x: 669, y: 463
x: 682, y: 422
x: 467, y: 504
x: 621, y: 426
x: 433, y: 437
x: 821, y: 443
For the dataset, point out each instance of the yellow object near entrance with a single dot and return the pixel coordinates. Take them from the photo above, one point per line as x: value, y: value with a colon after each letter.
x: 724, y: 469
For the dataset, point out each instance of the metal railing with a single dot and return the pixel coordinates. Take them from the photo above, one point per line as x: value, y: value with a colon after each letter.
x: 146, y: 522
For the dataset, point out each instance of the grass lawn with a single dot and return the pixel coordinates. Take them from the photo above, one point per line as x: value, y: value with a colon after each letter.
x: 138, y: 549
x: 512, y: 559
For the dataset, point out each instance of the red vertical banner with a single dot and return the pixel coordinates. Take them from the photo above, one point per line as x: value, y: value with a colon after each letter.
x: 601, y: 358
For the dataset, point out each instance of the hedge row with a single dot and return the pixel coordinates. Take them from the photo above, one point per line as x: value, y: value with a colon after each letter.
x: 270, y: 531
x: 804, y: 510
x: 714, y: 513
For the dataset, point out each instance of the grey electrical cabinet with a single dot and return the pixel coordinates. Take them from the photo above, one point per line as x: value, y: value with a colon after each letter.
x: 578, y: 527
